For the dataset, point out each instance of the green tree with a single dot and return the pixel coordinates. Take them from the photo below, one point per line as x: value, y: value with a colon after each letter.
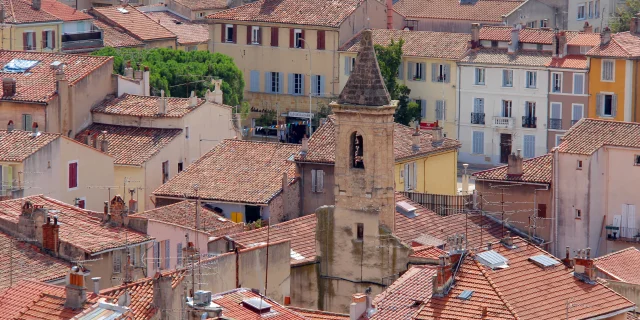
x: 178, y: 72
x: 622, y: 17
x: 389, y: 60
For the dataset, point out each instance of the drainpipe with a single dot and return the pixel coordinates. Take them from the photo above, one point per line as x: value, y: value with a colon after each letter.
x: 556, y: 170
x: 458, y: 102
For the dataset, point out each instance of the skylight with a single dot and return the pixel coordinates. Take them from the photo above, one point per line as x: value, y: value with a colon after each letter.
x: 19, y: 65
x: 257, y: 304
x: 406, y: 209
x: 492, y: 259
x: 544, y: 261
x: 465, y: 295
x: 123, y: 10
x: 296, y: 256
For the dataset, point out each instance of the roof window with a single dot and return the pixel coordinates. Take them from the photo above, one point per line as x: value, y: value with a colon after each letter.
x: 19, y: 65
x: 465, y: 295
x: 406, y: 209
x: 257, y: 304
x: 492, y: 259
x: 544, y: 261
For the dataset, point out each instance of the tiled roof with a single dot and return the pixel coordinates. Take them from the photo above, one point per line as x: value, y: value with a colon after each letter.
x: 132, y: 145
x: 20, y: 11
x: 502, y: 57
x: 569, y: 62
x: 322, y: 144
x: 115, y: 37
x: 27, y: 262
x: 145, y: 106
x: 631, y: 316
x: 397, y: 301
x: 319, y: 314
x: 38, y: 84
x: 300, y: 231
x: 141, y: 292
x: 526, y: 35
x: 479, y: 11
x: 584, y: 39
x: 78, y: 227
x: 233, y: 308
x: 588, y: 135
x: 622, y: 45
x: 427, y: 252
x: 365, y: 85
x: 204, y: 4
x: 63, y: 11
x: 621, y: 265
x: 184, y: 214
x: 237, y: 171
x: 538, y: 169
x: 17, y: 145
x: 187, y: 31
x: 442, y: 45
x: 327, y: 13
x: 135, y: 22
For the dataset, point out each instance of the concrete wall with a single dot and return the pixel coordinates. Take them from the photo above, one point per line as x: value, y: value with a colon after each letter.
x: 310, y: 201
x: 573, y: 23
x: 136, y: 180
x: 88, y: 92
x: 208, y: 125
x: 172, y: 152
x: 619, y: 86
x: 628, y: 290
x: 533, y: 10
x: 14, y: 111
x: 567, y: 98
x: 103, y: 268
x: 436, y: 173
x: 370, y: 14
x: 306, y: 287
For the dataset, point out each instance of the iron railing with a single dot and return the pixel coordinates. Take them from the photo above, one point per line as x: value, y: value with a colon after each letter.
x: 555, y: 123
x: 442, y: 204
x: 529, y: 122
x: 477, y: 118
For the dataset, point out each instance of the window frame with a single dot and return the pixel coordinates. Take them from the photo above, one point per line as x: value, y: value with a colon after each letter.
x: 275, y: 82
x: 255, y: 35
x: 297, y: 35
x: 31, y: 37
x: 317, y: 91
x: 573, y: 115
x: 581, y: 5
x: 418, y: 72
x: 47, y: 45
x: 509, y: 72
x: 613, y: 70
x: 441, y: 75
x: 509, y: 108
x: 556, y: 77
x: 359, y: 231
x: 596, y: 9
x: 480, y: 76
x: 531, y: 79
x: 228, y: 27
x: 77, y: 180
x: 297, y: 84
x: 443, y: 107
x: 590, y: 9
x: 636, y: 159
x: 579, y: 165
x: 165, y: 171
x: 573, y: 90
x: 116, y: 257
x: 604, y: 105
x: 558, y: 137
x: 578, y: 214
x: 26, y: 126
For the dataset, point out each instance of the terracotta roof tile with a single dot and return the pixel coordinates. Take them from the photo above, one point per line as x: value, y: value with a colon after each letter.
x: 204, y: 4
x: 502, y: 57
x: 78, y: 227
x: 398, y: 300
x: 322, y: 144
x: 621, y: 265
x: 569, y: 62
x: 481, y: 10
x: 632, y: 316
x: 442, y: 45
x: 28, y: 262
x: 184, y: 214
x: 115, y: 37
x: 132, y: 145
x: 327, y: 13
x: 538, y: 169
x: 584, y: 39
x: 526, y: 35
x: 427, y: 252
x: 38, y: 84
x: 238, y: 171
x: 21, y: 11
x: 588, y: 135
x: 187, y: 31
x: 63, y: 11
x: 145, y: 106
x: 622, y: 45
x: 233, y: 308
x: 319, y: 314
x: 133, y: 22
x: 17, y: 145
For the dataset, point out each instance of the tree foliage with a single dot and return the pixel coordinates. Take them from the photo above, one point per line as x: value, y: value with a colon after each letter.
x: 389, y: 60
x: 178, y: 72
x: 621, y: 19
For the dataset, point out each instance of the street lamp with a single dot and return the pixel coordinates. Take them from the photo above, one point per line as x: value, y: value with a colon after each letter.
x: 310, y: 114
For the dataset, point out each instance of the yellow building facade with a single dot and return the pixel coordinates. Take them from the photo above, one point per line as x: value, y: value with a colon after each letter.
x: 435, y: 173
x: 13, y: 36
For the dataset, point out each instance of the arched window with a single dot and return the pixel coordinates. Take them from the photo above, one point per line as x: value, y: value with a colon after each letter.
x: 356, y: 151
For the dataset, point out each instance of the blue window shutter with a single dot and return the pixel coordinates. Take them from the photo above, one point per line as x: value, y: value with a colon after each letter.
x: 314, y: 84
x: 412, y: 68
x: 529, y: 146
x: 447, y: 73
x: 424, y: 72
x: 347, y: 67
x: 302, y: 85
x: 255, y: 80
x: 290, y: 84
x: 267, y: 82
x: 478, y: 142
x: 167, y: 254
x: 281, y: 80
x: 423, y: 109
x: 322, y: 92
x: 434, y: 72
x: 401, y: 71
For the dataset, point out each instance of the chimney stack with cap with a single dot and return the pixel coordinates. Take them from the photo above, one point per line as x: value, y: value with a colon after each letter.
x: 34, y: 129
x: 634, y: 25
x: 162, y: 103
x: 217, y: 92
x: 193, y: 99
x: 584, y: 268
x: 8, y: 87
x: 50, y: 235
x: 95, y: 140
x: 104, y: 143
x: 96, y: 284
x: 128, y: 70
x: 443, y: 279
x: 360, y: 305
x: 587, y: 28
x: 475, y: 35
x: 515, y: 39
x: 415, y: 139
x: 305, y: 146
x: 36, y: 4
x: 562, y: 44
x: 75, y: 291
x: 514, y: 165
x: 605, y: 36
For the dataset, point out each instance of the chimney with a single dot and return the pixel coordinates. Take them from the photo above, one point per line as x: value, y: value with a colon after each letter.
x: 128, y: 71
x: 65, y: 103
x: 117, y: 210
x: 514, y: 165
x: 484, y: 312
x: 554, y: 43
x: 162, y: 103
x: 436, y: 136
x: 145, y: 79
x: 389, y: 14
x: 475, y: 35
x: 86, y: 137
x: 8, y: 87
x: 583, y: 268
x: 36, y: 4
x: 515, y: 39
x: 193, y: 99
x: 415, y: 139
x: 587, y: 28
x: 443, y: 279
x: 107, y: 215
x: 605, y: 36
x: 50, y: 235
x: 635, y: 25
x: 163, y: 295
x: 489, y: 244
x: 137, y: 74
x: 562, y: 44
x: 507, y: 241
x: 567, y: 261
x: 104, y: 144
x: 96, y: 285
x: 75, y: 291
x: 133, y: 206
x: 10, y: 126
x: 360, y: 305
x: 217, y: 92
x: 305, y: 146
x: 94, y: 140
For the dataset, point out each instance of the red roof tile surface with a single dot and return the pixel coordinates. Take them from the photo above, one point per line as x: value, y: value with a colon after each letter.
x: 63, y: 11
x: 319, y: 315
x: 398, y: 300
x: 538, y: 170
x: 188, y: 32
x: 21, y: 11
x: 132, y: 145
x: 204, y: 4
x: 427, y: 252
x: 26, y: 261
x: 116, y: 37
x: 621, y: 265
x: 322, y: 144
x: 145, y: 106
x: 622, y: 45
x: 327, y: 13
x: 569, y: 62
x: 17, y: 145
x: 526, y: 35
x: 442, y: 45
x: 233, y: 308
x: 134, y: 22
x: 38, y: 84
x: 584, y: 39
x: 479, y: 11
x: 501, y: 57
x: 78, y: 227
x: 238, y: 171
x: 588, y: 135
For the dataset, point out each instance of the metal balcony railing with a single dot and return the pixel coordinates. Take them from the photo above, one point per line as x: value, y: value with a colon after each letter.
x: 477, y: 118
x: 574, y: 122
x: 529, y: 122
x: 503, y: 122
x: 555, y: 123
x: 622, y: 234
x: 73, y: 41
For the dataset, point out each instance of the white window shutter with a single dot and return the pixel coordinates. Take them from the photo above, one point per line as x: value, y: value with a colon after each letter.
x: 280, y: 82
x: 290, y: 84
x: 313, y: 180
x: 415, y: 176
x: 406, y: 177
x: 423, y: 67
x: 167, y: 254
x: 267, y: 82
x: 320, y: 180
x: 599, y: 104
x: 314, y: 84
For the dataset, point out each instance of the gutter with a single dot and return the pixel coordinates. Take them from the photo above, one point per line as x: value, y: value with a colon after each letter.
x: 536, y: 240
x: 121, y: 247
x: 516, y: 182
x: 614, y: 313
x: 212, y: 201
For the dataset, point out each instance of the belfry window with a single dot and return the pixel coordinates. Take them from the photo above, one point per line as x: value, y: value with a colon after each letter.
x: 357, y: 148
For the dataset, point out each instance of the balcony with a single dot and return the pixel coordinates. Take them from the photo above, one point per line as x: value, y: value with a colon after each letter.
x: 529, y: 122
x: 622, y: 234
x: 503, y: 122
x: 555, y: 124
x: 83, y: 41
x: 477, y: 118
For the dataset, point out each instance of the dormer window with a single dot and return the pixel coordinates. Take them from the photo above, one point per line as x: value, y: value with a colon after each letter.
x: 357, y: 148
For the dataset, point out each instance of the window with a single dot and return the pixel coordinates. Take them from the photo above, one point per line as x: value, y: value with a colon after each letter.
x: 530, y: 109
x: 559, y: 139
x: 579, y: 165
x: 608, y: 71
x: 357, y: 148
x: 479, y: 76
x: 401, y: 71
x: 584, y: 49
x: 255, y: 35
x: 578, y: 83
x: 49, y: 39
x: 596, y: 30
x: 179, y: 250
x: 320, y: 42
x: 507, y: 78
x: 440, y: 110
x: 542, y: 210
x: 478, y: 142
x: 606, y: 104
x: 360, y: 231
x: 577, y: 113
x: 274, y: 36
x: 296, y: 84
x: 273, y: 82
x: 578, y: 214
x: 297, y: 33
x: 581, y: 11
x: 423, y: 107
x: 167, y: 254
x: 317, y: 85
x: 532, y: 24
x: 636, y: 160
x: 200, y: 14
x: 229, y: 33
x: 254, y: 80
x: 73, y: 174
x: 531, y: 79
x: 192, y: 48
x: 348, y: 65
x: 506, y: 108
x: 317, y: 181
x: 440, y: 72
x: 555, y: 119
x: 165, y: 172
x: 410, y: 174
x: 156, y: 255
x: 544, y: 23
x: 529, y: 146
x: 556, y: 82
x: 186, y: 132
x: 597, y: 10
x: 117, y: 261
x: 418, y: 73
x: 179, y: 166
x: 26, y: 122
x: 590, y: 11
x: 494, y: 44
x: 82, y: 203
x: 29, y: 40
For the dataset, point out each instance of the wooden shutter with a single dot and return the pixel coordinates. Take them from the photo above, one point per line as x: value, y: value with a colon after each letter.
x: 411, y: 70
x: 249, y: 32
x: 447, y: 72
x: 322, y: 92
x: 235, y: 33
x: 260, y: 29
x: 614, y: 105
x: 314, y: 181
x: 291, y: 38
x: 73, y: 175
x: 53, y: 41
x: 302, y: 43
x: 319, y: 180
x: 599, y: 104
x: 81, y: 204
x: 223, y: 35
x: 167, y: 254
x: 25, y: 41
x: 321, y: 41
x: 44, y: 39
x: 274, y: 36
